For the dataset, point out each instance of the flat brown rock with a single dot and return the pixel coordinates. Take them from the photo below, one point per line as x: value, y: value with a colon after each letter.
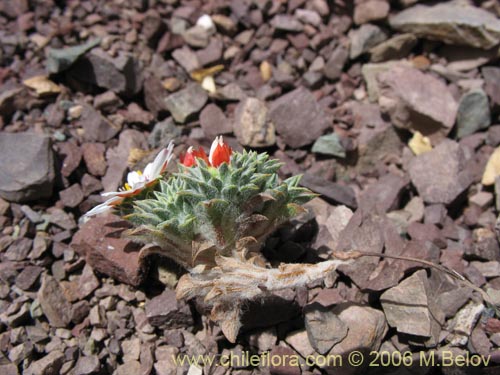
x: 99, y: 241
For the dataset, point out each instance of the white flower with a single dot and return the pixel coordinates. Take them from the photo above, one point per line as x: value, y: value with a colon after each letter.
x: 137, y: 181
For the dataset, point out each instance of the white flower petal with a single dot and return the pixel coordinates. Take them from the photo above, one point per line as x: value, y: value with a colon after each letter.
x: 134, y: 179
x: 111, y: 193
x: 147, y: 172
x: 154, y: 170
x: 217, y: 141
x: 103, y: 207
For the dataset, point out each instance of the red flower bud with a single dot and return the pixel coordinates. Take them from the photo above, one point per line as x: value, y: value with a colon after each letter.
x: 188, y: 159
x: 219, y: 152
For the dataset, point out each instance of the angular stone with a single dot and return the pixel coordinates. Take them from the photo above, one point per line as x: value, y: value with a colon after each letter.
x: 371, y: 72
x: 99, y: 241
x: 131, y: 349
x: 299, y: 341
x: 415, y: 207
x: 324, y: 328
x: 435, y: 214
x: 212, y: 54
x: 72, y: 196
x: 166, y: 311
x: 409, y: 307
x: 451, y: 301
x: 338, y: 193
x: 87, y: 365
x: 488, y: 269
x: 19, y: 249
x: 384, y: 195
x: 485, y: 245
x: 59, y: 60
x: 450, y: 23
x: 55, y: 306
x: 426, y: 232
x: 130, y: 368
x: 330, y: 145
x: 107, y: 102
x: 93, y: 155
x: 251, y: 124
x: 87, y: 282
x: 308, y: 16
x: 462, y: 325
x: 336, y: 62
x: 28, y: 277
x: 365, y: 38
x: 395, y: 48
x: 197, y: 36
x: 291, y: 111
x: 96, y: 127
x: 371, y: 10
x: 186, y: 58
x: 163, y: 132
x: 377, y: 138
x: 120, y: 74
x: 48, y: 365
x: 154, y: 95
x: 186, y: 102
x: 214, y: 122
x: 491, y: 75
x: 286, y: 23
x: 26, y: 167
x: 287, y: 366
x: 9, y: 369
x: 482, y: 199
x: 473, y: 113
x: 439, y: 175
x: 366, y: 328
x: 72, y: 157
x: 417, y: 101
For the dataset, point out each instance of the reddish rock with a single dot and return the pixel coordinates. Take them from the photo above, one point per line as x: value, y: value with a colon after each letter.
x: 54, y: 304
x: 440, y: 175
x: 491, y: 77
x: 291, y: 111
x: 214, y: 122
x: 417, y: 101
x: 72, y: 157
x: 165, y: 310
x: 384, y: 195
x: 154, y: 95
x: 93, y: 154
x: 426, y: 232
x: 90, y: 184
x: 95, y: 126
x: 107, y: 102
x: 285, y: 366
x: 371, y: 10
x: 134, y: 114
x: 99, y: 241
x: 72, y: 196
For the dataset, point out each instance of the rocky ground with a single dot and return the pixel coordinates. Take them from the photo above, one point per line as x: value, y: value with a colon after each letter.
x: 390, y: 109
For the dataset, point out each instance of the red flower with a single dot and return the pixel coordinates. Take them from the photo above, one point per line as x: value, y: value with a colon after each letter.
x: 219, y: 153
x: 188, y: 159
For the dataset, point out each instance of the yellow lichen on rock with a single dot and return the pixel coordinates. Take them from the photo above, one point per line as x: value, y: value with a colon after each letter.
x: 419, y: 144
x: 492, y: 169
